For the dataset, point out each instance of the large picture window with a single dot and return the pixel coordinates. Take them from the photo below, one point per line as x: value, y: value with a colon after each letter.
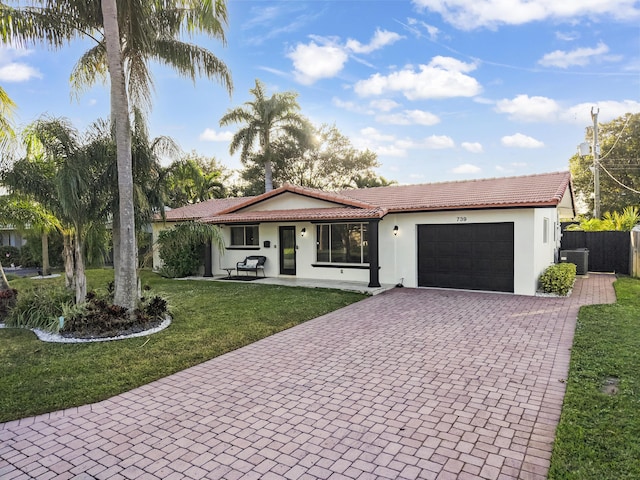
x: 245, y: 236
x: 342, y: 243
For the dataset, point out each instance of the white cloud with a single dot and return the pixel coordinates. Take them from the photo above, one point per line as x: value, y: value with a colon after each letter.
x: 438, y: 142
x: 473, y: 147
x: 18, y: 72
x: 471, y: 14
x: 443, y: 77
x: 381, y: 38
x: 392, y: 146
x: 521, y: 141
x: 210, y: 135
x: 466, y: 168
x: 542, y: 109
x: 609, y: 110
x: 568, y: 36
x: 325, y: 57
x: 579, y: 57
x: 409, y: 117
x: 384, y: 105
x: 313, y: 62
x: 529, y: 109
x: 432, y: 31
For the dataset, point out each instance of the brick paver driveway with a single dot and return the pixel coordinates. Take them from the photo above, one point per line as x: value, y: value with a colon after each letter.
x: 407, y: 384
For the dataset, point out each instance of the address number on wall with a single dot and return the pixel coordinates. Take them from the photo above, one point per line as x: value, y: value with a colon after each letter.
x: 461, y: 219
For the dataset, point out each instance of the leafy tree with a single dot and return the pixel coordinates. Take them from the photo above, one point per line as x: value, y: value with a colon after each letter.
x: 329, y: 162
x: 264, y: 120
x: 134, y: 33
x: 63, y: 174
x: 194, y: 179
x: 620, y: 156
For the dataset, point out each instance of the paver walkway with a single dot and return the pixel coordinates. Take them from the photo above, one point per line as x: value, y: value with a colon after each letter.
x: 411, y: 383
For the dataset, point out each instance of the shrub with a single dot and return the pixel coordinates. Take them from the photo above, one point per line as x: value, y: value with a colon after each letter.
x: 9, y: 255
x: 558, y: 278
x: 40, y: 307
x: 179, y: 262
x: 100, y: 318
x: 8, y: 300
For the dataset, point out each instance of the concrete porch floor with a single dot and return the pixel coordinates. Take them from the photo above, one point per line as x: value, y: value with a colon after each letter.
x: 360, y: 287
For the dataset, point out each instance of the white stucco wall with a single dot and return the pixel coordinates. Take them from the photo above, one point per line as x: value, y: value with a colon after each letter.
x: 288, y: 201
x: 398, y: 254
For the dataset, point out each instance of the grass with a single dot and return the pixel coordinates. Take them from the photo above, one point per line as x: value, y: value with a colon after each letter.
x: 209, y: 319
x: 599, y: 434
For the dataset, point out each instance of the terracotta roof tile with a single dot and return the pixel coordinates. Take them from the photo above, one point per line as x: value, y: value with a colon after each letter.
x: 306, y: 214
x: 204, y: 209
x: 304, y: 191
x: 531, y: 190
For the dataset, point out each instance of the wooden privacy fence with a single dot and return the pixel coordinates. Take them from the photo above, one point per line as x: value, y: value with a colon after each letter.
x: 608, y: 251
x: 635, y: 253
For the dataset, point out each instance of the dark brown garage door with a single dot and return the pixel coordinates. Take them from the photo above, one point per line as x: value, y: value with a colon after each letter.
x: 476, y: 256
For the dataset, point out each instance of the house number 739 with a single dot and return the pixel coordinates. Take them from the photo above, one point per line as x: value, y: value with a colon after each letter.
x: 461, y: 219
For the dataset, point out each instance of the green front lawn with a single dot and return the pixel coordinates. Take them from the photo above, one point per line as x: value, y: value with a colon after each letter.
x: 599, y: 433
x: 209, y: 319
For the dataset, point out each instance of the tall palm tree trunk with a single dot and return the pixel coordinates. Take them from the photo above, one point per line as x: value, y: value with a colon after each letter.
x: 45, y: 253
x: 81, y: 277
x: 126, y: 275
x: 67, y: 253
x: 268, y: 176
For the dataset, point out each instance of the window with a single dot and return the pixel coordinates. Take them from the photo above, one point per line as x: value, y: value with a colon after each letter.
x: 342, y: 243
x: 245, y: 236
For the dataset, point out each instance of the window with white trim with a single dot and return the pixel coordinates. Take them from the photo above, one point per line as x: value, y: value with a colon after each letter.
x: 342, y: 243
x: 245, y: 236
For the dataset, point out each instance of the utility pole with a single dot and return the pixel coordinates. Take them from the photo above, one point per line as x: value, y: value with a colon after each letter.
x: 595, y: 149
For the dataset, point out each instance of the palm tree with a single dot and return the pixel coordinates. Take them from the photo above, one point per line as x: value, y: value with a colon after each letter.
x: 264, y: 120
x: 6, y: 113
x: 63, y: 174
x: 134, y: 34
x: 25, y: 213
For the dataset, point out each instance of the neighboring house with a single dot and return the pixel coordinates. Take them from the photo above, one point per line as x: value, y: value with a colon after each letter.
x: 495, y: 234
x: 10, y: 236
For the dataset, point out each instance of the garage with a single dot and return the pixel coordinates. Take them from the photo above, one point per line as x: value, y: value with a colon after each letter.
x: 477, y: 256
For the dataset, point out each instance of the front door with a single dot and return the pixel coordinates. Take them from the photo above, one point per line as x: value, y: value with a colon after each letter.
x: 287, y: 250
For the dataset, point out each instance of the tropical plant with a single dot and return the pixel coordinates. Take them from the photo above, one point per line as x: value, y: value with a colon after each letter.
x: 263, y: 121
x: 180, y: 247
x: 134, y: 33
x: 61, y: 173
x: 194, y: 179
x: 7, y: 134
x: 625, y: 221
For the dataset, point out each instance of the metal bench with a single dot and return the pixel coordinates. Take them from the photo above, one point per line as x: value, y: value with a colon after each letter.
x: 252, y: 263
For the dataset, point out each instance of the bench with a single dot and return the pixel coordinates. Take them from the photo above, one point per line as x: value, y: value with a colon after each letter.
x: 252, y: 263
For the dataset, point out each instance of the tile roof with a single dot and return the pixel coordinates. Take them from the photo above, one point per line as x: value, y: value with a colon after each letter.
x: 304, y: 191
x: 531, y: 190
x: 538, y: 190
x: 204, y: 209
x: 292, y: 215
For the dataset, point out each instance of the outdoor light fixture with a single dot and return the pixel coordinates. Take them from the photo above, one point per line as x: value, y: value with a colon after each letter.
x: 395, y: 231
x: 303, y: 231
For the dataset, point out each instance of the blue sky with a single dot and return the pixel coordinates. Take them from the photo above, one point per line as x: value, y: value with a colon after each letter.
x: 439, y: 89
